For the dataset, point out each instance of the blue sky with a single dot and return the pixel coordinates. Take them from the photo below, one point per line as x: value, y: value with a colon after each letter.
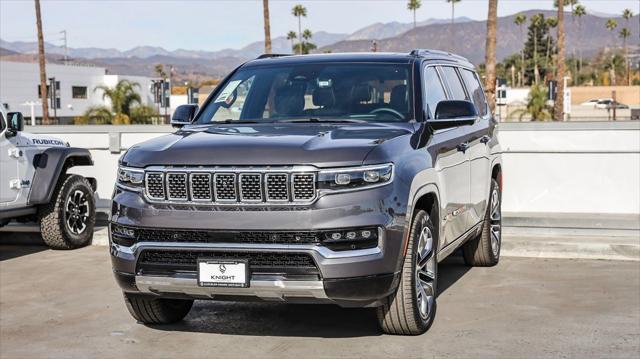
x: 218, y: 24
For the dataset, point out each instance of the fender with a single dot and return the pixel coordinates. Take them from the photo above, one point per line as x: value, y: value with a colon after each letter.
x: 50, y: 165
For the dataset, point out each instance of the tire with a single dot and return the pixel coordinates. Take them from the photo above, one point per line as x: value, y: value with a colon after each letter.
x: 484, y: 250
x: 72, y: 202
x: 154, y: 310
x: 403, y: 313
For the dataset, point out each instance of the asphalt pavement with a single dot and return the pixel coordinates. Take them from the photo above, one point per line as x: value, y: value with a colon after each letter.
x: 66, y: 304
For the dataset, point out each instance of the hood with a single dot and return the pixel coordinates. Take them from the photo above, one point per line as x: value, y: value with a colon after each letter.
x: 319, y: 144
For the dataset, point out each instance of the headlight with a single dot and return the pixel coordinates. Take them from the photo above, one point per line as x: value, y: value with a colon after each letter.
x: 132, y: 177
x: 355, y: 177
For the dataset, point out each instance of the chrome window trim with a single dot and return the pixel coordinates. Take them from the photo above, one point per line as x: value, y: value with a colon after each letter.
x: 260, y: 179
x: 186, y: 183
x: 266, y: 187
x: 191, y: 187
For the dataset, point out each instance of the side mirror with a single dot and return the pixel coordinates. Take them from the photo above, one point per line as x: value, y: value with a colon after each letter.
x: 183, y: 115
x: 15, y: 123
x: 453, y: 113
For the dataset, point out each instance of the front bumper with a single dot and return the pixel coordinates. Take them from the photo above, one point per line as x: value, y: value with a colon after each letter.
x: 360, y: 277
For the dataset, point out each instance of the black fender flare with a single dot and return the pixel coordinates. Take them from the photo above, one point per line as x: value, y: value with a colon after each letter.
x: 50, y: 165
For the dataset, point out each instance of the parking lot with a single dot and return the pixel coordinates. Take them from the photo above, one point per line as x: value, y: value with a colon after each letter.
x: 66, y: 304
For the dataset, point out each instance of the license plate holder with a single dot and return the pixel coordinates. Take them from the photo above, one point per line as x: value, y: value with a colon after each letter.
x: 226, y: 273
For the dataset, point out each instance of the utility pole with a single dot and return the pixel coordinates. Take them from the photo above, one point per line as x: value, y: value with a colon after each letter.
x: 66, y: 49
x: 41, y: 61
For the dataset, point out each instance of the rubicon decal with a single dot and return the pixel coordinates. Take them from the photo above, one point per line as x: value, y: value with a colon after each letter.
x: 44, y: 141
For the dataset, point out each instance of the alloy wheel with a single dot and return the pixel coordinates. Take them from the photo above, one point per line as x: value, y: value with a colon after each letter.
x: 76, y: 212
x: 495, y: 219
x: 425, y: 272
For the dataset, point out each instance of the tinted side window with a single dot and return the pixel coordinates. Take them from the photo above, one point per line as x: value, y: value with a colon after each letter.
x: 457, y: 90
x: 475, y: 91
x: 1, y: 121
x: 434, y: 92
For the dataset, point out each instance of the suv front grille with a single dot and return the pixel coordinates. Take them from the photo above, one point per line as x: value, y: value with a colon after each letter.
x: 261, y: 262
x: 203, y: 236
x: 230, y: 187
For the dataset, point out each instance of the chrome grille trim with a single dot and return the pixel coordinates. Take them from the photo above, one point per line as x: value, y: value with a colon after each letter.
x: 153, y: 184
x: 172, y: 187
x: 234, y: 195
x: 250, y: 196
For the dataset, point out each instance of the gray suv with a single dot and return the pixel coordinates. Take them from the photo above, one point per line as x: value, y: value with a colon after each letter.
x: 332, y: 178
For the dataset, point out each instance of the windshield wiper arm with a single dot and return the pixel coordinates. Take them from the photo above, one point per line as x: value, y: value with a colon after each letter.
x: 317, y: 120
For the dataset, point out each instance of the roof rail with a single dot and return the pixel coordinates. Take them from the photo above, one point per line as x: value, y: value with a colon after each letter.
x: 427, y: 52
x: 267, y: 56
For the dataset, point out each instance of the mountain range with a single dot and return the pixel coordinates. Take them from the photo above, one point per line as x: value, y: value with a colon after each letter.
x: 465, y: 37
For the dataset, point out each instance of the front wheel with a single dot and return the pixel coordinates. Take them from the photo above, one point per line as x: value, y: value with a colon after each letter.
x: 67, y: 221
x: 412, y: 309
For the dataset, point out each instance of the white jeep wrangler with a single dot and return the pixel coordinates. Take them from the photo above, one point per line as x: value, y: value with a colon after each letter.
x: 35, y: 185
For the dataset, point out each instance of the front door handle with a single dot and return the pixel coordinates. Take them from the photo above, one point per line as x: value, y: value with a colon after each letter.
x: 485, y: 139
x: 463, y: 147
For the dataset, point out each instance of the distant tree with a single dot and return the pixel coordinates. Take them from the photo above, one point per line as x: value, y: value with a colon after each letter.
x: 299, y: 11
x: 520, y: 20
x: 159, y: 70
x: 551, y: 23
x: 578, y: 12
x: 536, y: 107
x: 267, y: 26
x: 453, y: 11
x: 306, y: 45
x: 611, y: 24
x: 41, y: 64
x: 291, y: 35
x: 490, y: 53
x: 558, y: 112
x: 414, y: 5
x: 627, y: 14
x: 535, y: 47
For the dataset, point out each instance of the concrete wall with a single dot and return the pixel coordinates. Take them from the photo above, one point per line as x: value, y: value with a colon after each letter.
x: 549, y: 168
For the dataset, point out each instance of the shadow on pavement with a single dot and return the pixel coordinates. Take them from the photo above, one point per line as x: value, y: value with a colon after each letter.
x: 13, y: 245
x: 295, y: 320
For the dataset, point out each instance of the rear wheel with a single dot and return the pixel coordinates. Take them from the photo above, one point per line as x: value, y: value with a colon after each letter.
x: 154, y: 310
x: 67, y: 221
x: 484, y: 250
x: 411, y: 310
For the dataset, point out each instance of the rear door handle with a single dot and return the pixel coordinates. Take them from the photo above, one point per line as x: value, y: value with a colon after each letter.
x: 462, y: 147
x: 485, y: 139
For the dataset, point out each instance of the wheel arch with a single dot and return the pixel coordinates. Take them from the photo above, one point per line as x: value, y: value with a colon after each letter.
x: 426, y: 198
x: 50, y: 166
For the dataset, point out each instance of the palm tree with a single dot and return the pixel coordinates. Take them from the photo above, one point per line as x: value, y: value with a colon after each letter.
x: 551, y: 23
x: 267, y: 26
x: 299, y: 11
x: 490, y: 53
x: 579, y: 11
x: 520, y: 20
x: 624, y: 33
x: 414, y: 5
x: 536, y: 106
x: 291, y: 35
x: 453, y: 4
x: 558, y: 111
x: 43, y: 72
x: 122, y: 97
x: 611, y: 24
x: 536, y: 21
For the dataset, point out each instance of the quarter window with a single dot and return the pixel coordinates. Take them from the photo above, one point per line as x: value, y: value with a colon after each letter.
x: 433, y: 89
x: 475, y: 91
x: 455, y: 86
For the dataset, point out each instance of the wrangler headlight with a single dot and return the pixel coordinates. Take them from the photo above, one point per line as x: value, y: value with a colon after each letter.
x: 131, y: 177
x: 353, y: 178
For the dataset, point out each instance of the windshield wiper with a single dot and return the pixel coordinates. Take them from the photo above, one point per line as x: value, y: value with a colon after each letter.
x: 235, y: 121
x: 317, y: 120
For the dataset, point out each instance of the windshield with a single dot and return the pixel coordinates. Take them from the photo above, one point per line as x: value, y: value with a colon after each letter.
x: 313, y: 92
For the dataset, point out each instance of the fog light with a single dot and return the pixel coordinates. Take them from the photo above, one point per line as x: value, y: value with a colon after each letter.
x: 343, y: 178
x: 351, y: 235
x: 336, y: 235
x: 124, y: 232
x: 366, y: 234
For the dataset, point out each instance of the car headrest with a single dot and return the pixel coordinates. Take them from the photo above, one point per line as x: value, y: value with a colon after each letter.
x: 324, y: 97
x: 289, y: 100
x: 398, y: 100
x: 361, y: 93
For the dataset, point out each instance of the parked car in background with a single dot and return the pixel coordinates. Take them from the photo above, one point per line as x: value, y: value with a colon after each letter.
x: 35, y: 185
x: 344, y: 179
x: 591, y: 102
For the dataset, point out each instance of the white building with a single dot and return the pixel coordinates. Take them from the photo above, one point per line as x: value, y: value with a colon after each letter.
x: 20, y: 84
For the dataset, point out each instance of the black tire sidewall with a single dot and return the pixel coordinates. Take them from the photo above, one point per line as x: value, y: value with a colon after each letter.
x: 417, y: 227
x: 71, y: 185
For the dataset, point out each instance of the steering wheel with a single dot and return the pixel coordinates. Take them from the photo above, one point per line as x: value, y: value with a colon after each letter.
x: 398, y: 115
